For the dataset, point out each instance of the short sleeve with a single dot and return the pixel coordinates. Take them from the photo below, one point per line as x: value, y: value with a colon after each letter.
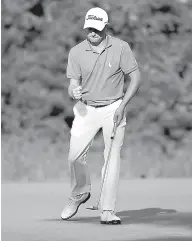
x: 73, y: 68
x: 128, y: 62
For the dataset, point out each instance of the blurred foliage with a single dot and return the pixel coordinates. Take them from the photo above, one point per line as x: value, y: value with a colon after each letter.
x: 37, y: 112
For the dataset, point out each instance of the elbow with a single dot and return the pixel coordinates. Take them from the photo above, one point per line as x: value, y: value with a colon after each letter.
x: 138, y: 74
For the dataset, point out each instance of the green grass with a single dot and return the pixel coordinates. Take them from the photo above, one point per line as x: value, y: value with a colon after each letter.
x: 156, y: 210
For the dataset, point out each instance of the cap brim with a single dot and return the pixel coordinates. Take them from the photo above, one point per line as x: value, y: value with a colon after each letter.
x: 93, y: 24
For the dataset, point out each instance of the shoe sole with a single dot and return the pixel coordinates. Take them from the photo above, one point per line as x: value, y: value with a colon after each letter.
x: 89, y: 195
x: 114, y: 222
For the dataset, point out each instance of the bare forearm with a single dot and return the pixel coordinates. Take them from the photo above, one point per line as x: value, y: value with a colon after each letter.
x: 73, y: 84
x: 70, y: 90
x: 132, y: 88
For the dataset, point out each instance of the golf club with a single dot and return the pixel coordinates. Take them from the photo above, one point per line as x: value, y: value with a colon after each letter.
x: 96, y: 207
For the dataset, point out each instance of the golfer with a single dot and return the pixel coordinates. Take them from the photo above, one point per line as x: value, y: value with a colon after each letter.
x: 97, y: 68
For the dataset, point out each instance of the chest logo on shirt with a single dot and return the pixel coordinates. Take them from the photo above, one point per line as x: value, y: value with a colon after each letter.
x: 110, y: 65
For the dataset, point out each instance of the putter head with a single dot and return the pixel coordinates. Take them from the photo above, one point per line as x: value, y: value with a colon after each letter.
x: 93, y: 208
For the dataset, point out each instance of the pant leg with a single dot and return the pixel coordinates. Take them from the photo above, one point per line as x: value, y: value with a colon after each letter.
x: 110, y: 186
x: 83, y: 132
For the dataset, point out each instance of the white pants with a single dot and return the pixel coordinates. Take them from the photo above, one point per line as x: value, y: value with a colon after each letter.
x: 88, y: 120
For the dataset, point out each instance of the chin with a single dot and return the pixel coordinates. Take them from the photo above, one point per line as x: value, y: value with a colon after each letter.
x: 92, y: 40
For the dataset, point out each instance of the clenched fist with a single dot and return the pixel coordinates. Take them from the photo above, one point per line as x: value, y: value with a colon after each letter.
x: 77, y: 94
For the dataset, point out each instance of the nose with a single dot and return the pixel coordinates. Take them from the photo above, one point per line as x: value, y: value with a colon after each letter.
x: 92, y: 30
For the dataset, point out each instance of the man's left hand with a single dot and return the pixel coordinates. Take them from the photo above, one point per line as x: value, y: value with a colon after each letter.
x: 119, y: 115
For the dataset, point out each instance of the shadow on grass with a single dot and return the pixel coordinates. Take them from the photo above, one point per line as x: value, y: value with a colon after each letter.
x: 160, y: 239
x: 156, y: 216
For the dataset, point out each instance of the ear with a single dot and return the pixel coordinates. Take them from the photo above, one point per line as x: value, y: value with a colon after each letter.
x: 106, y: 27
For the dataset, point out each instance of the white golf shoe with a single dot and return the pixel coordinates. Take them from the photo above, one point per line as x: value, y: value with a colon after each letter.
x: 109, y: 217
x: 72, y: 207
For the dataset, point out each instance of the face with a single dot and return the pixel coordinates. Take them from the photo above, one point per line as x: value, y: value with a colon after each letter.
x: 95, y: 36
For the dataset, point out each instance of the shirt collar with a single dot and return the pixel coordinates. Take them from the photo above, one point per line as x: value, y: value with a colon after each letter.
x: 109, y: 43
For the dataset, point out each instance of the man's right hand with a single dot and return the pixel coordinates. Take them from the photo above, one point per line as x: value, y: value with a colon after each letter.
x: 77, y: 94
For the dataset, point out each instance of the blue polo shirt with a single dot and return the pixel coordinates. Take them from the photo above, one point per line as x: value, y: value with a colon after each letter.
x: 101, y: 75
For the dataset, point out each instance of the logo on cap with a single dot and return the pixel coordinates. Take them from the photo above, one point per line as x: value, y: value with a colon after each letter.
x: 93, y: 17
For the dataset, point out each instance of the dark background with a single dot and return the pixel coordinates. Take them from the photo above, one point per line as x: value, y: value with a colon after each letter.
x: 37, y: 111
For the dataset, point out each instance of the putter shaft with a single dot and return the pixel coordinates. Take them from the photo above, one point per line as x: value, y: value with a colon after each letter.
x: 93, y: 208
x: 96, y: 207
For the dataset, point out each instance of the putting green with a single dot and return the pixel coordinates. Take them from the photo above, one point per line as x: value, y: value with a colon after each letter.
x: 156, y: 210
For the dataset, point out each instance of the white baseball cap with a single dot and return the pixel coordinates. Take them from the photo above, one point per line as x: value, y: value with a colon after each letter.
x: 96, y: 18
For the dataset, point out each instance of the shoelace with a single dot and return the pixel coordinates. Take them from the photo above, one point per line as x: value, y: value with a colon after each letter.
x: 72, y: 200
